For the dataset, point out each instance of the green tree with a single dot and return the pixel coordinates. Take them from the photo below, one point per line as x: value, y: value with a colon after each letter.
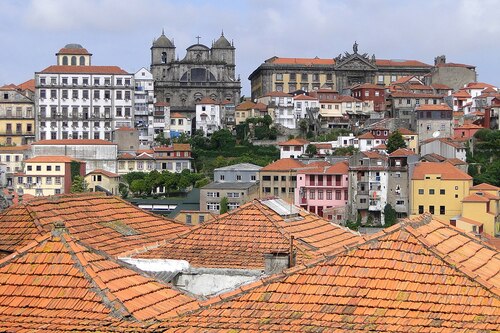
x: 224, y: 207
x: 345, y: 151
x: 303, y: 126
x: 162, y: 140
x: 79, y: 185
x: 390, y: 217
x: 131, y: 176
x: 311, y: 150
x: 395, y: 141
x: 222, y: 139
x: 138, y: 187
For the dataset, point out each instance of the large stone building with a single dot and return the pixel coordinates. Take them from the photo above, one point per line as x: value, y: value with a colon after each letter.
x: 17, y: 119
x: 204, y: 72
x: 76, y: 100
x: 339, y: 73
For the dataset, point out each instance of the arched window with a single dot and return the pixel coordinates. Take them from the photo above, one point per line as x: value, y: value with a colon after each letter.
x: 73, y: 61
x: 82, y: 61
x: 65, y: 61
x: 164, y: 57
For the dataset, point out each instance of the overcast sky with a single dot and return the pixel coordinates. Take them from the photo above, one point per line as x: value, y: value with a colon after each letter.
x: 120, y: 32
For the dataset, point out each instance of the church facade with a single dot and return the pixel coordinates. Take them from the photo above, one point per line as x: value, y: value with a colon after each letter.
x: 203, y: 72
x: 339, y: 73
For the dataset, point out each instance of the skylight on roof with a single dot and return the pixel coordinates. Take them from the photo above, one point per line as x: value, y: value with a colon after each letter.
x: 282, y: 207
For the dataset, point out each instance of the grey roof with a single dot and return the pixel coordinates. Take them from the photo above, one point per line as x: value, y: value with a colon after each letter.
x: 229, y: 186
x: 163, y: 41
x: 222, y: 43
x: 241, y: 166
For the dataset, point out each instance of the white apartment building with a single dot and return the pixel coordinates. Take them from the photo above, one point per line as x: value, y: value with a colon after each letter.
x: 144, y: 106
x: 75, y: 100
x: 208, y: 116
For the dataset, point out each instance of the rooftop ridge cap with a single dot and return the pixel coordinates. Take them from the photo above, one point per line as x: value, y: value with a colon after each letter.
x: 116, y: 307
x: 454, y: 265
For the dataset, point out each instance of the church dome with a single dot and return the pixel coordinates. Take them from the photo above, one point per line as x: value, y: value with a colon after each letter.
x: 222, y: 43
x: 163, y: 41
x: 72, y: 49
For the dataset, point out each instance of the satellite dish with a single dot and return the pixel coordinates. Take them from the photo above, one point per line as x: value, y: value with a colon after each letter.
x: 436, y: 134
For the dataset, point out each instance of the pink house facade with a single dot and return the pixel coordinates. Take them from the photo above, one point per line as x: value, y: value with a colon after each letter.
x: 323, y: 190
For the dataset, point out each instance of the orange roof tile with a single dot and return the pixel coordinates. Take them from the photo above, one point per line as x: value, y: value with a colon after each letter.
x: 277, y: 94
x: 418, y: 276
x: 207, y: 100
x: 283, y: 164
x: 294, y: 142
x: 74, y: 142
x: 82, y: 51
x: 246, y: 105
x: 440, y: 86
x: 461, y: 93
x: 241, y: 238
x: 304, y: 97
x: 405, y: 131
x: 402, y: 152
x: 55, y: 69
x: 56, y: 276
x: 469, y: 221
x: 302, y: 61
x: 400, y: 63
x: 106, y: 223
x: 28, y: 85
x: 367, y: 135
x: 485, y: 187
x: 50, y: 159
x: 105, y: 173
x: 475, y: 198
x: 15, y: 148
x: 341, y: 168
x: 176, y: 115
x: 478, y: 85
x: 401, y: 94
x: 433, y: 107
x: 446, y: 170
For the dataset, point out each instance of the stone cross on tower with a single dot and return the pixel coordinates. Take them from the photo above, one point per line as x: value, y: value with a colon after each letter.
x: 198, y: 38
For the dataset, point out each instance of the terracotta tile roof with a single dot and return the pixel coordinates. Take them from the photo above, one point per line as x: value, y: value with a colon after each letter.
x: 28, y: 85
x: 478, y: 85
x: 56, y: 276
x: 461, y: 93
x: 455, y: 161
x: 419, y: 87
x: 339, y: 168
x: 367, y: 135
x: 176, y: 115
x: 283, y: 164
x: 304, y: 97
x: 381, y: 146
x: 493, y: 241
x: 294, y: 142
x: 173, y: 147
x: 207, y: 100
x: 475, y: 198
x: 433, y: 107
x: 405, y: 131
x: 74, y: 142
x: 302, y: 61
x: 240, y: 238
x: 15, y: 197
x: 55, y: 69
x: 469, y: 126
x: 374, y: 155
x: 51, y: 159
x: 446, y: 170
x: 106, y: 223
x: 400, y: 63
x: 403, y: 79
x: 485, y: 187
x: 105, y: 173
x: 260, y: 106
x: 418, y: 276
x: 82, y: 51
x: 402, y: 152
x: 14, y: 148
x: 246, y: 105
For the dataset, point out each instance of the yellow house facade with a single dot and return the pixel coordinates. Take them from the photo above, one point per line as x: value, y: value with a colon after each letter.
x: 438, y: 188
x: 480, y: 211
x: 102, y: 180
x: 17, y: 120
x: 411, y: 139
x: 47, y: 175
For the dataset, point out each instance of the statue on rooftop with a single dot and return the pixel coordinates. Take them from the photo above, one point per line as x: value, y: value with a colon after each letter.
x: 355, y: 47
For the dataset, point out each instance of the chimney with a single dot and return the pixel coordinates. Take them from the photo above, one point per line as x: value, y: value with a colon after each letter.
x: 487, y: 117
x: 276, y: 262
